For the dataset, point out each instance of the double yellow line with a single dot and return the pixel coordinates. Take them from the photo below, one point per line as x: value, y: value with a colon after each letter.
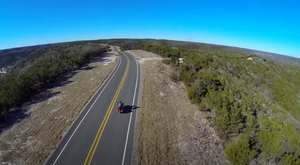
x: 96, y: 141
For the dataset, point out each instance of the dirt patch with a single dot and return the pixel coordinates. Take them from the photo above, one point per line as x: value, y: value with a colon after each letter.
x: 32, y: 139
x: 143, y: 56
x: 171, y: 130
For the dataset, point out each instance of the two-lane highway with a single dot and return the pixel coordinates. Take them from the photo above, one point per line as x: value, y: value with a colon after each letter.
x: 100, y: 135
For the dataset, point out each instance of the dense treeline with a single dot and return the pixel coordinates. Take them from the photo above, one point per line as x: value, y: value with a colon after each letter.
x: 253, y: 102
x: 43, y: 67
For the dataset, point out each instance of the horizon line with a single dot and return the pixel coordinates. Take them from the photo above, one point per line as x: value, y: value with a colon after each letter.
x: 146, y: 38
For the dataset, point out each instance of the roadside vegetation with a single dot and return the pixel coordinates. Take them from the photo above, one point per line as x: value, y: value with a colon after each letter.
x: 40, y: 68
x: 253, y: 102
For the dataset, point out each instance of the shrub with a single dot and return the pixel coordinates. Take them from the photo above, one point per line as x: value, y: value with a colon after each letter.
x: 238, y: 150
x: 291, y: 159
x: 167, y: 61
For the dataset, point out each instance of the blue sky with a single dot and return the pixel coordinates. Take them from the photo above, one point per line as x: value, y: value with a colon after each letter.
x: 258, y: 24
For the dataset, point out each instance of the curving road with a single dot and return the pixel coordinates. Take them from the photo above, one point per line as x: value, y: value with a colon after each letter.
x: 100, y: 135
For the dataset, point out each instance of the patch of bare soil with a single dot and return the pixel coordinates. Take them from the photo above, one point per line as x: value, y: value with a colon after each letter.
x: 171, y: 130
x: 144, y: 55
x: 32, y: 139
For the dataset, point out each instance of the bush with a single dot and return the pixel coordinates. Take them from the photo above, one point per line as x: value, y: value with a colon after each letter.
x: 238, y: 150
x: 291, y: 159
x: 167, y: 61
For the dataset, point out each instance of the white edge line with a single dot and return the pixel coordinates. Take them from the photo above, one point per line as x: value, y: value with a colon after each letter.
x: 136, y: 115
x: 129, y: 123
x: 86, y: 114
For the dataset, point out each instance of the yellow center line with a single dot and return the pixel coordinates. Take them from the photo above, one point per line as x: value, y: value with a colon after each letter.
x: 96, y: 141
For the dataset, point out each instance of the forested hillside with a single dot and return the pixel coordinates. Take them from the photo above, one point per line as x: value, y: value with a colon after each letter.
x: 39, y: 67
x: 253, y: 102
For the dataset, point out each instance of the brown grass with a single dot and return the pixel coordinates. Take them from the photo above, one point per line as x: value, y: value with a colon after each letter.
x: 31, y: 140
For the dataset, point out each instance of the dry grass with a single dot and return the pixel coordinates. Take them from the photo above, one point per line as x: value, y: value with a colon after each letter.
x: 31, y: 140
x: 170, y: 130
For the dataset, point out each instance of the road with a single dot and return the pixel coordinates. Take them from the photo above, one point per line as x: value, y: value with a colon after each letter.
x: 100, y: 135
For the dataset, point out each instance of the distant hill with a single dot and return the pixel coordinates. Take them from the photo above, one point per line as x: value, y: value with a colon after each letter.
x: 202, y: 46
x: 272, y: 56
x: 23, y: 56
x: 11, y: 57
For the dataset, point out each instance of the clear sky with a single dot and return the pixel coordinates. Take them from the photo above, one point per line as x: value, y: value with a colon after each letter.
x: 270, y: 25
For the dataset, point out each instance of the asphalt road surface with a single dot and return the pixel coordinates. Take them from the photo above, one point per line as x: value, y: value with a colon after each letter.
x: 100, y: 135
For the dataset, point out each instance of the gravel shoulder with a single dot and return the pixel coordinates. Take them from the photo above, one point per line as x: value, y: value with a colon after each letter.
x: 171, y: 130
x: 51, y: 113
